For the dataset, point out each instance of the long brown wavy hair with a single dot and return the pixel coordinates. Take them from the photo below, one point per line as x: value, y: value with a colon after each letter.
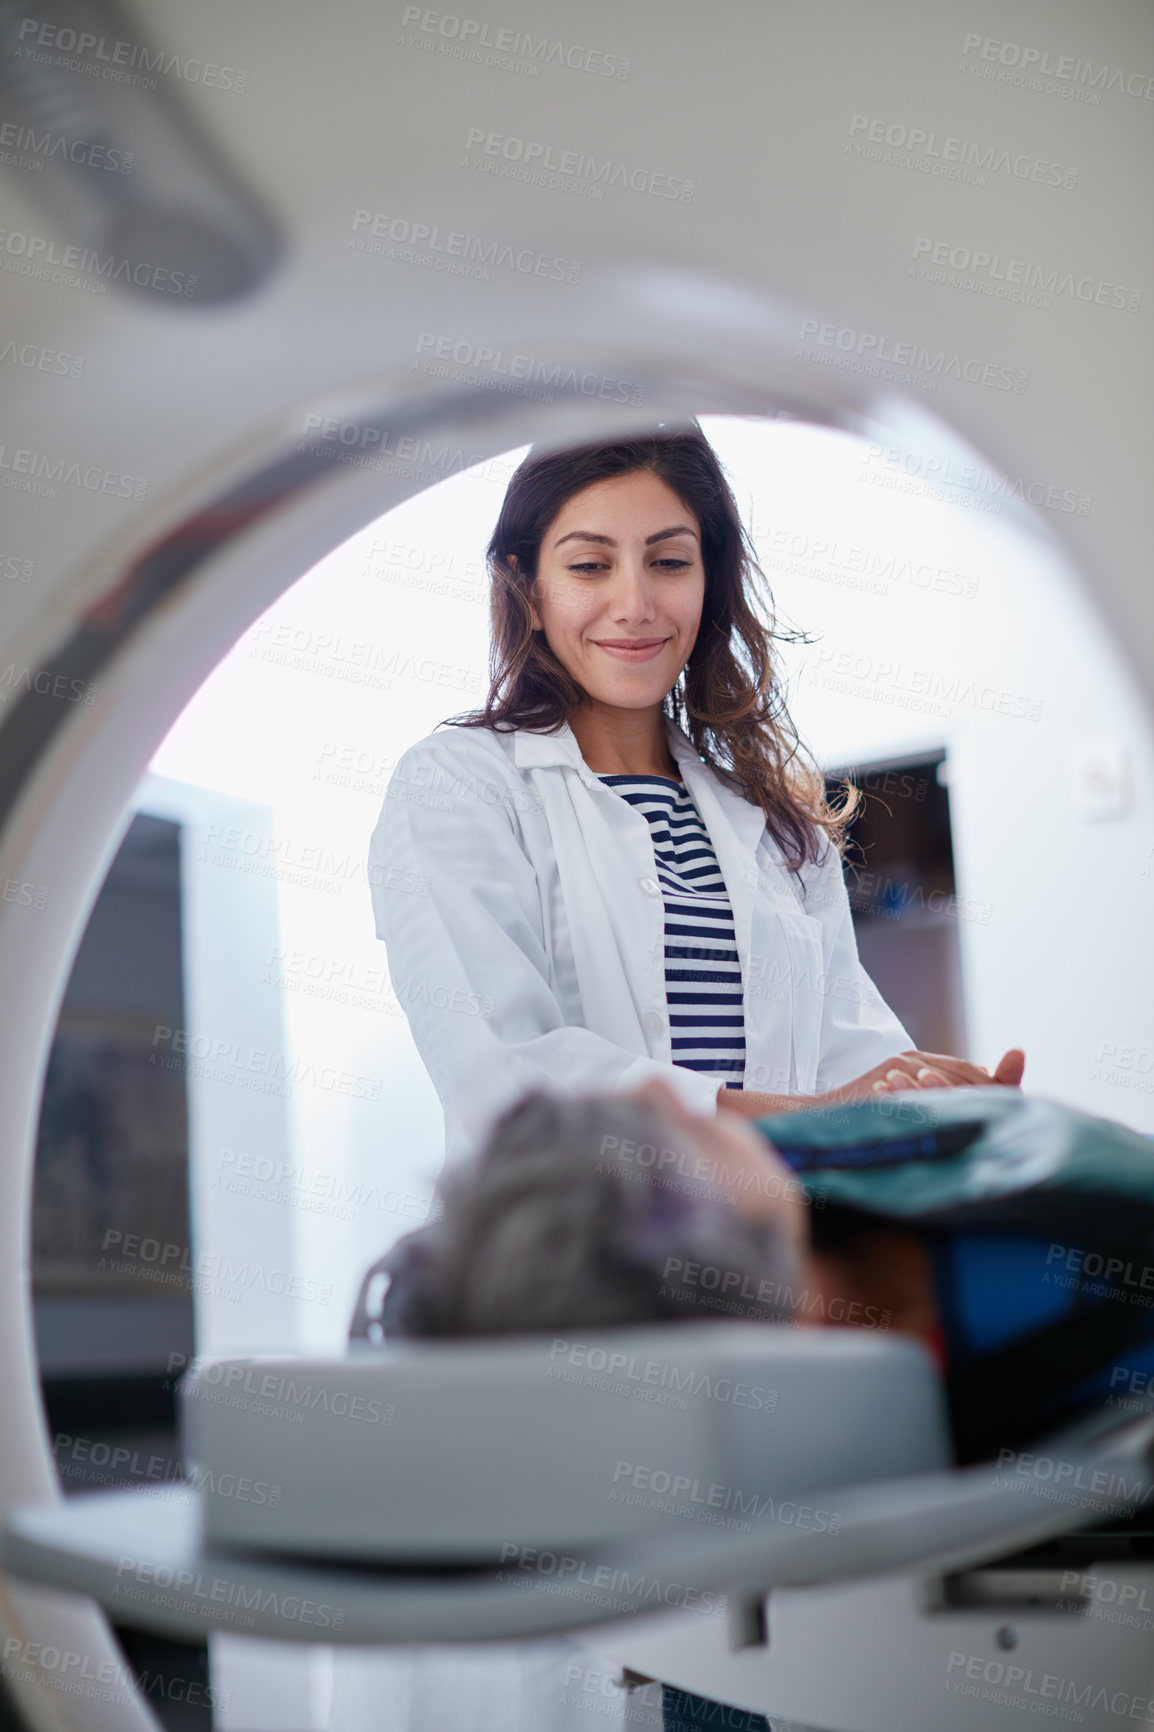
x: 728, y: 698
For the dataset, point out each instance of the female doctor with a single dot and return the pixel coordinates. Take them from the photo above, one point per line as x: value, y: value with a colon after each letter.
x: 618, y: 870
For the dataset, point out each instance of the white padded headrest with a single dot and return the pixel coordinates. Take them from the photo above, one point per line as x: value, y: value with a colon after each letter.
x: 455, y: 1451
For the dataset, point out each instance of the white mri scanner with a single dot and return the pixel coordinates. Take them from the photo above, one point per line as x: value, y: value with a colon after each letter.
x: 255, y: 212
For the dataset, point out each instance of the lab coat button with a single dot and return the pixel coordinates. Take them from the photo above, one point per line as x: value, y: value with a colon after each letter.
x: 654, y: 1022
x: 650, y: 886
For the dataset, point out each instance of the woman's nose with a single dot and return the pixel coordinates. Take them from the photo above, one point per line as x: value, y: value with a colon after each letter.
x: 633, y: 594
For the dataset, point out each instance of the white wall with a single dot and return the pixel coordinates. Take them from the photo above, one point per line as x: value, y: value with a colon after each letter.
x: 302, y: 724
x: 230, y: 1050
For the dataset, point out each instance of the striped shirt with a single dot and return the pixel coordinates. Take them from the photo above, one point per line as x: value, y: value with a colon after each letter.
x: 702, y: 967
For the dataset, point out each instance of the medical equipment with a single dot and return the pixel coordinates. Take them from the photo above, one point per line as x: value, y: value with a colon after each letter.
x: 573, y: 1500
x: 837, y: 237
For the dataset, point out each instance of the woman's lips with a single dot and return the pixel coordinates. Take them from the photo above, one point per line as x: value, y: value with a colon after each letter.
x: 643, y: 650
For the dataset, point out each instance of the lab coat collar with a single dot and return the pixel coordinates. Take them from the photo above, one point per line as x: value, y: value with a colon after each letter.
x: 533, y: 748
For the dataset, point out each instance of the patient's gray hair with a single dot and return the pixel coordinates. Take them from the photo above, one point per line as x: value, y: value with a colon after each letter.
x: 554, y: 1225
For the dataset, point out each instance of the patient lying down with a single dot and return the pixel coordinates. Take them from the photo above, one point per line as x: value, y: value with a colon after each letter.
x: 615, y: 1210
x: 611, y: 1211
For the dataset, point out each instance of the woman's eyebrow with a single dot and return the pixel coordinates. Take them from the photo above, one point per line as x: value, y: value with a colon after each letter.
x: 608, y: 541
x: 664, y: 534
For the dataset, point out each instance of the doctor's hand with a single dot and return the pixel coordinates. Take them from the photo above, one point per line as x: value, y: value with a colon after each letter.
x: 909, y: 1070
x: 929, y: 1070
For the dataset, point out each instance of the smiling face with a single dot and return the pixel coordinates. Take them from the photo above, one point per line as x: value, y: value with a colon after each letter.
x: 619, y: 590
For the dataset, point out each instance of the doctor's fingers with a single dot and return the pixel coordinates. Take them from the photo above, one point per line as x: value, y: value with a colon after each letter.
x: 956, y: 1071
x: 924, y: 1076
x: 913, y: 1070
x: 903, y: 1073
x: 1011, y: 1067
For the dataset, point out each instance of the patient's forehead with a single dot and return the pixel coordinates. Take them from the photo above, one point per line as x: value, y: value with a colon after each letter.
x: 723, y: 1153
x: 646, y: 1138
x: 702, y: 1161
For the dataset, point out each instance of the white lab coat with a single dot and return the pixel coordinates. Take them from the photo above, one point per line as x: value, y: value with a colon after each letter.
x: 517, y: 897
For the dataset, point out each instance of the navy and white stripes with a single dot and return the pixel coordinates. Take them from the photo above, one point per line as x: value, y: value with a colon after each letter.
x: 702, y: 967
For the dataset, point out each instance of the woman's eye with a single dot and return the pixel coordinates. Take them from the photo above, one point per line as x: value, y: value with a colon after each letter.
x: 588, y: 566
